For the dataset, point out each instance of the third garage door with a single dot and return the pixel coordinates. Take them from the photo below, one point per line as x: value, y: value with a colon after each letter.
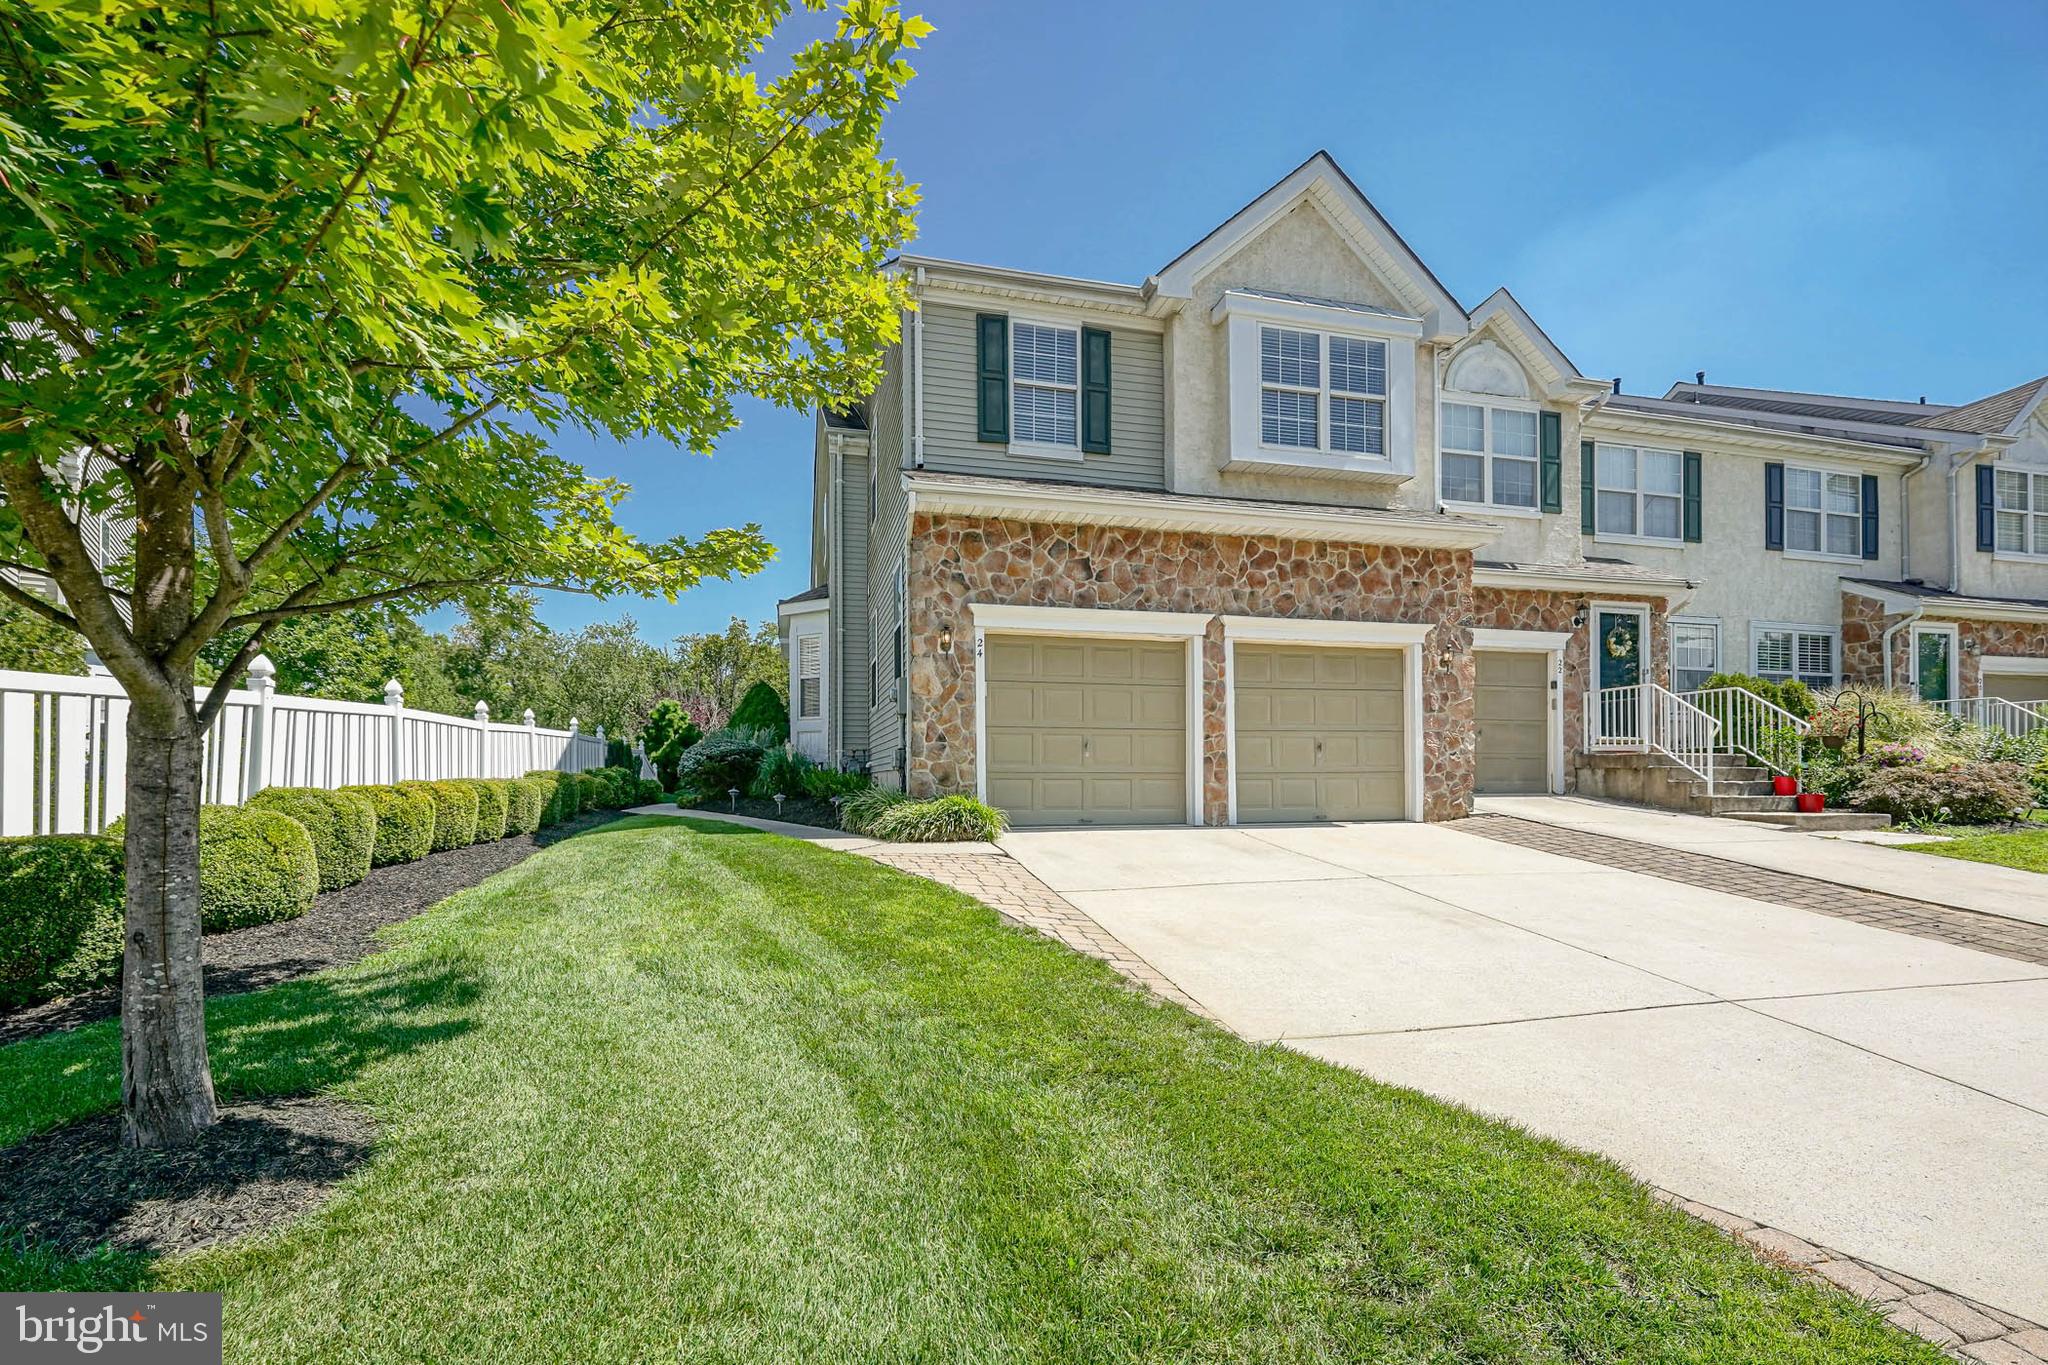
x: 1087, y: 731
x: 1320, y: 734
x: 1512, y: 703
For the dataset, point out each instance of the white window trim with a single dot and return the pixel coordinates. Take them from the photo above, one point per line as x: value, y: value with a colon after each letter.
x: 1406, y: 636
x: 1955, y: 658
x: 1823, y: 555
x: 1185, y: 627
x: 1552, y: 645
x: 2037, y: 501
x: 1720, y: 642
x: 1757, y: 629
x: 1492, y: 401
x: 1042, y: 450
x: 1245, y: 315
x: 1637, y: 537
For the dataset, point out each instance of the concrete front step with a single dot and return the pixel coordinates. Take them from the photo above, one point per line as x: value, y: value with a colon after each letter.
x: 1820, y: 820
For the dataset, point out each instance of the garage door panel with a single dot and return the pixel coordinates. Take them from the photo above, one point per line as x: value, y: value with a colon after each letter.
x: 1511, y: 704
x: 1319, y: 733
x: 1086, y: 731
x: 2017, y: 687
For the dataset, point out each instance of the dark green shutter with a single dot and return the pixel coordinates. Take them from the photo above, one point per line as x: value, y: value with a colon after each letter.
x: 1774, y: 506
x: 1094, y: 391
x: 1586, y: 487
x: 992, y: 377
x: 1553, y: 461
x: 1870, y: 516
x: 1987, y: 508
x: 1692, y: 497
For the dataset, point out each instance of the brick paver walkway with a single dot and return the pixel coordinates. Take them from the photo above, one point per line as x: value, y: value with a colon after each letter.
x: 1965, y: 928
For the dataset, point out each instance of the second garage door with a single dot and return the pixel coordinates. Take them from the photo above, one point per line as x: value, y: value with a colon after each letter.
x: 1511, y: 702
x: 2019, y: 687
x: 1086, y: 732
x: 1320, y: 734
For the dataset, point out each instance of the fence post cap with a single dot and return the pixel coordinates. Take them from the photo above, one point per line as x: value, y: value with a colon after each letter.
x: 262, y: 672
x: 572, y: 725
x: 394, y: 695
x: 600, y: 732
x: 483, y: 709
x: 529, y: 717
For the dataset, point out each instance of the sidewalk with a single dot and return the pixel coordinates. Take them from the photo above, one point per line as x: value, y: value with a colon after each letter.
x: 1953, y: 882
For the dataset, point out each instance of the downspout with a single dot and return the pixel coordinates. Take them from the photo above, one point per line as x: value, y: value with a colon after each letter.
x: 836, y: 498
x: 1955, y: 535
x: 903, y: 688
x: 1892, y: 632
x: 1906, y: 519
x: 917, y: 377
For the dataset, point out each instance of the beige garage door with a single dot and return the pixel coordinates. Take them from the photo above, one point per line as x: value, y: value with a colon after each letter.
x: 2016, y: 686
x: 1086, y: 732
x: 1319, y: 734
x: 1511, y: 701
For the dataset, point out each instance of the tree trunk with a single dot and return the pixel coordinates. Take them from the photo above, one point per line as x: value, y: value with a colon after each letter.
x: 166, y: 1082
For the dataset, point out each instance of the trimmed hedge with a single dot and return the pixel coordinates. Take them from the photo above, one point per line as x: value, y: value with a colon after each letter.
x: 526, y: 798
x: 61, y: 915
x: 405, y: 824
x: 255, y: 867
x: 491, y: 809
x: 454, y: 812
x: 556, y: 797
x: 590, y: 790
x: 647, y: 791
x: 342, y: 825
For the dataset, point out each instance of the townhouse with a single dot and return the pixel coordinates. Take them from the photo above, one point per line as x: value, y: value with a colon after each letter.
x: 1286, y: 532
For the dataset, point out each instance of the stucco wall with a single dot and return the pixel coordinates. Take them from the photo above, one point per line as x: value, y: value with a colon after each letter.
x: 1986, y: 573
x: 957, y: 562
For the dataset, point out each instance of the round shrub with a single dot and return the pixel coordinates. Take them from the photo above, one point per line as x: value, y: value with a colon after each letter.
x: 255, y: 867
x: 590, y: 791
x: 405, y: 824
x: 61, y: 915
x: 1966, y: 794
x: 491, y: 811
x: 716, y: 764
x: 946, y: 819
x: 454, y: 812
x: 647, y: 791
x: 525, y: 799
x: 554, y: 789
x: 342, y: 826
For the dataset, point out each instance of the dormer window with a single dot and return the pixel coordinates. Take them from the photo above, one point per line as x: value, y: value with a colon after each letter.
x: 1319, y: 386
x: 1045, y: 384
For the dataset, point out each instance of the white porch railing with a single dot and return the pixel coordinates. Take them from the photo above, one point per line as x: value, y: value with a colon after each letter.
x: 1763, y: 730
x: 64, y: 743
x: 2016, y: 718
x: 1646, y: 718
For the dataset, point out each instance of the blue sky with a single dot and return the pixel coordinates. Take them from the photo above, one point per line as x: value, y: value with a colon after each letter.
x: 1848, y: 198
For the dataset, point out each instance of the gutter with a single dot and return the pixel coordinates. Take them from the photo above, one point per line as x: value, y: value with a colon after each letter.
x: 1892, y: 632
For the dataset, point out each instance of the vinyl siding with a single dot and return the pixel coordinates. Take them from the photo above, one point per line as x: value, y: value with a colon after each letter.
x: 850, y: 602
x: 888, y: 433
x: 1137, y: 421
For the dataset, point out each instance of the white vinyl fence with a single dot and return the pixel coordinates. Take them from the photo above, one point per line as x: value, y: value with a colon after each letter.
x: 64, y: 743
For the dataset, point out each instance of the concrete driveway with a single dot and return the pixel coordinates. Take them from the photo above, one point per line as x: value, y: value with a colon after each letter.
x: 1881, y: 1094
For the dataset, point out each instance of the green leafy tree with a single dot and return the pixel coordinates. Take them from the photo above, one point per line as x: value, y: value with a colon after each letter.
x: 350, y: 655
x: 313, y: 282
x: 721, y: 666
x: 33, y: 643
x: 611, y: 677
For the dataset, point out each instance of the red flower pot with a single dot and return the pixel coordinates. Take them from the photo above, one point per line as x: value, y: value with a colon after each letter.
x: 1785, y: 786
x: 1809, y: 803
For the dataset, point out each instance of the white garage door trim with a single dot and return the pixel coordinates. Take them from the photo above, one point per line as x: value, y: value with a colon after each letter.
x: 1335, y: 634
x: 2012, y: 663
x: 1185, y: 627
x: 1552, y: 644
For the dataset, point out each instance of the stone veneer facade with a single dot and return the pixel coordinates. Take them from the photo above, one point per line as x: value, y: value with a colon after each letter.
x: 957, y: 561
x: 1864, y: 623
x: 1516, y: 609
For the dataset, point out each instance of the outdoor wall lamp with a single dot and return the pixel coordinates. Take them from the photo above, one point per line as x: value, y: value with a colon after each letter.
x: 1579, y: 620
x: 945, y: 639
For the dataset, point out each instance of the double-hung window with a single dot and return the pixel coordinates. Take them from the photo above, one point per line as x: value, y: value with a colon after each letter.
x: 1489, y: 455
x: 1639, y: 491
x: 2022, y: 512
x: 1695, y: 654
x: 810, y: 675
x: 1783, y: 652
x: 1824, y: 512
x: 1045, y: 384
x: 1320, y: 391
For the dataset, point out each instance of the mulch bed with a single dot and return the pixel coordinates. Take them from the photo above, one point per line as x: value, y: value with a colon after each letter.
x: 796, y: 810
x: 267, y: 1162
x: 339, y: 929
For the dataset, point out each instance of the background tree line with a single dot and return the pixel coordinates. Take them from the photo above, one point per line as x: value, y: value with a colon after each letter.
x: 604, y: 674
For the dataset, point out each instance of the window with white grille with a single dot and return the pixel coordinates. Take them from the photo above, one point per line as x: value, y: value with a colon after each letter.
x: 1805, y: 653
x: 1824, y: 512
x: 1639, y: 492
x: 1489, y: 455
x: 1045, y: 384
x: 810, y: 676
x: 1322, y: 392
x: 2022, y: 512
x: 1695, y: 654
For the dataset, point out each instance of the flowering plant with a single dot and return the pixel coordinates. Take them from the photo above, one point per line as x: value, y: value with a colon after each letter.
x: 1834, y: 722
x: 1895, y: 755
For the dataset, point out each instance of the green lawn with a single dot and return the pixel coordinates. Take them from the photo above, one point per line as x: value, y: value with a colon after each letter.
x: 675, y: 1090
x: 2026, y: 850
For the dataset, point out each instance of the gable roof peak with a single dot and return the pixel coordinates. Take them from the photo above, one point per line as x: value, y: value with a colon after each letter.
x: 1322, y: 181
